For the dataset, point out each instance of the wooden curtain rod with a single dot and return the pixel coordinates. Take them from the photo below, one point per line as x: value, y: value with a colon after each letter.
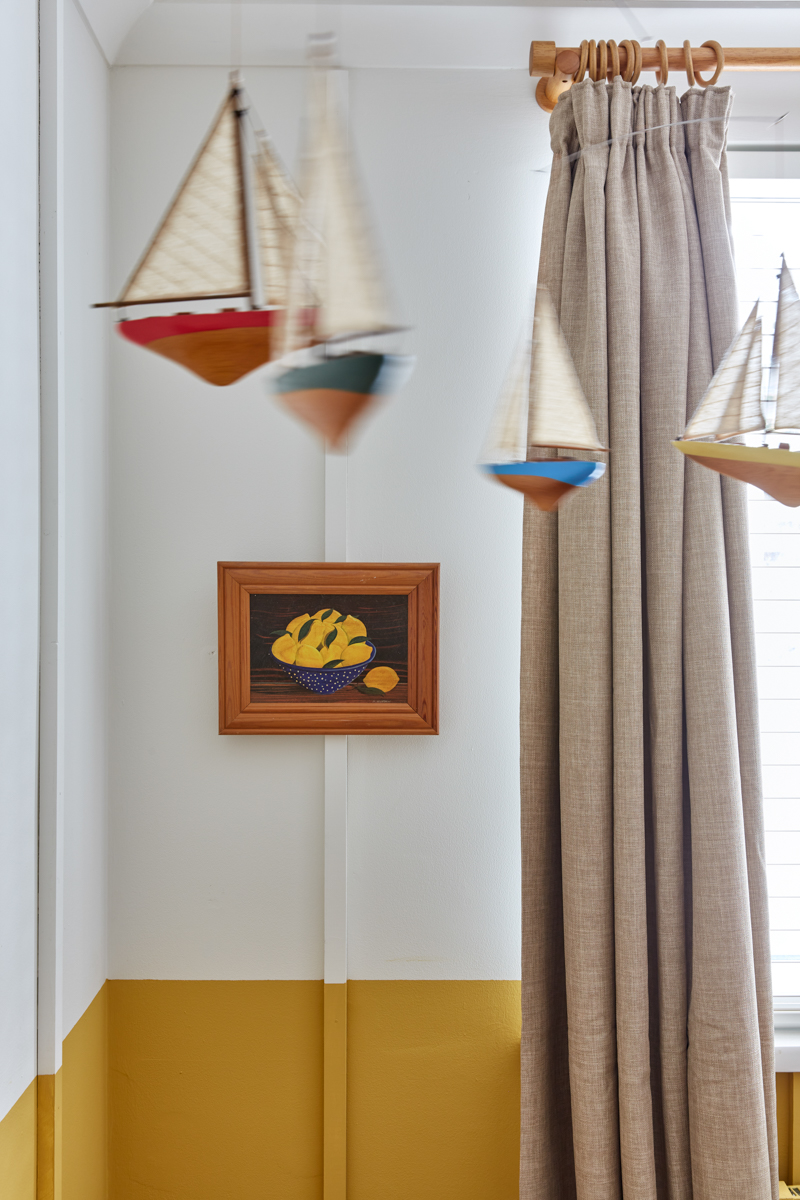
x: 560, y: 67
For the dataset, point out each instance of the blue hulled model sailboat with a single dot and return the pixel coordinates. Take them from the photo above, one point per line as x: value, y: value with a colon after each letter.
x: 543, y: 407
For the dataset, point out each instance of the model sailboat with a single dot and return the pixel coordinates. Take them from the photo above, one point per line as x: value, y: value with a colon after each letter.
x: 326, y: 376
x: 227, y: 235
x: 733, y: 405
x: 543, y: 406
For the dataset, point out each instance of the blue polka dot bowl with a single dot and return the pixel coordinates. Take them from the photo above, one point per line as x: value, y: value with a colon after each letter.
x: 317, y: 679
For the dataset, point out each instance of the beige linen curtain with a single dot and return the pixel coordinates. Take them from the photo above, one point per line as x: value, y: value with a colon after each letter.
x: 647, y: 1022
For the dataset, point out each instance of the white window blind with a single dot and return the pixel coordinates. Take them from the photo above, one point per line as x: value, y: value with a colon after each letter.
x: 766, y: 224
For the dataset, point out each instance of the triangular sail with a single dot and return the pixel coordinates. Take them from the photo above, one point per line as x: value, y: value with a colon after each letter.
x: 507, y: 440
x: 277, y: 204
x: 200, y: 248
x: 786, y: 354
x: 559, y: 414
x: 744, y: 413
x: 335, y: 261
x: 731, y: 392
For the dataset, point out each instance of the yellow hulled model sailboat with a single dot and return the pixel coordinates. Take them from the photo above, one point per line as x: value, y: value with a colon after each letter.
x: 733, y: 406
x: 326, y: 376
x: 228, y: 234
x: 543, y: 407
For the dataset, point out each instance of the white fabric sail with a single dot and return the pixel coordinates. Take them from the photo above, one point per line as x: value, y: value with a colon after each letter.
x: 277, y: 204
x: 200, y: 248
x: 559, y: 415
x: 335, y: 261
x: 786, y: 353
x: 744, y: 413
x: 732, y: 401
x: 507, y: 440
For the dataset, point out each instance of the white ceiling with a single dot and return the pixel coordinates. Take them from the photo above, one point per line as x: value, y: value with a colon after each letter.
x: 448, y: 33
x: 111, y: 21
x: 199, y: 32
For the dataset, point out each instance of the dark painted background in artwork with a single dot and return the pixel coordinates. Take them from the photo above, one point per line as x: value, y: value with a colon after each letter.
x: 386, y: 619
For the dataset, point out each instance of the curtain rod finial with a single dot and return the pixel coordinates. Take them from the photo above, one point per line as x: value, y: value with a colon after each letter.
x: 542, y: 58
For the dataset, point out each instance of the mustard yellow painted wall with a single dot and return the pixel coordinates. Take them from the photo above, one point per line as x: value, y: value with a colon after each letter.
x: 433, y: 1090
x: 82, y: 1092
x: 48, y: 1098
x: 213, y: 1091
x: 216, y: 1090
x: 783, y: 1085
x: 18, y: 1148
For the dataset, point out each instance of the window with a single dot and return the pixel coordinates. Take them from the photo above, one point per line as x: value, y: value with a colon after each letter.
x: 766, y: 224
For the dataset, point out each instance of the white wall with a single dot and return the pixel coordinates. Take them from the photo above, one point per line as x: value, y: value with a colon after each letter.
x: 451, y: 159
x: 19, y: 544
x: 86, y: 169
x: 216, y: 851
x: 74, y: 189
x: 216, y: 842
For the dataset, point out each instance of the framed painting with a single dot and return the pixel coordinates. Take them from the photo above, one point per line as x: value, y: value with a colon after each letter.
x: 328, y: 647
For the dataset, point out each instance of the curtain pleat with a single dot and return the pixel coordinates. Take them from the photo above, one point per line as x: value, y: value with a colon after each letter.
x: 647, y: 1040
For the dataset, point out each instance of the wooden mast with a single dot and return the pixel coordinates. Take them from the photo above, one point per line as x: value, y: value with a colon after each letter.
x: 249, y: 233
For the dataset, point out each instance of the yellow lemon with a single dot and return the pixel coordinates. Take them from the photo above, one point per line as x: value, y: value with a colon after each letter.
x: 338, y: 644
x: 313, y: 637
x: 383, y: 678
x: 356, y: 654
x: 332, y: 616
x: 354, y: 628
x: 331, y: 653
x: 294, y: 625
x: 307, y: 656
x: 284, y: 648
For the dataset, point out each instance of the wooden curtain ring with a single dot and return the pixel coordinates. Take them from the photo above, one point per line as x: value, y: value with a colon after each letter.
x: 581, y: 71
x: 662, y: 72
x: 602, y: 60
x: 720, y: 53
x: 592, y: 60
x: 630, y: 61
x: 688, y: 64
x: 614, y: 55
x: 637, y: 69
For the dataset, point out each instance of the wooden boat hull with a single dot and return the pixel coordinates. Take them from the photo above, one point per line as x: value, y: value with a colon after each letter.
x: 218, y: 347
x: 331, y: 394
x: 548, y: 481
x: 776, y: 472
x: 328, y: 410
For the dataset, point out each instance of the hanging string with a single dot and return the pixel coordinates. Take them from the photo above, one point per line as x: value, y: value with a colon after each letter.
x: 236, y: 35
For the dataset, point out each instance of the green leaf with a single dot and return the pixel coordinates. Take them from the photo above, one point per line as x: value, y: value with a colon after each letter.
x: 339, y: 620
x: 372, y: 691
x: 331, y: 638
x: 326, y: 614
x: 305, y: 630
x: 334, y: 662
x: 279, y: 632
x: 354, y: 641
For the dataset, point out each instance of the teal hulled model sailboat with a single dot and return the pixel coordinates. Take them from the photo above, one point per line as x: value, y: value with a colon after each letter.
x: 334, y: 361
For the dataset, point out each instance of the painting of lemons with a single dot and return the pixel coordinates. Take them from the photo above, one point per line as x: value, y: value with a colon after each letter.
x: 345, y: 649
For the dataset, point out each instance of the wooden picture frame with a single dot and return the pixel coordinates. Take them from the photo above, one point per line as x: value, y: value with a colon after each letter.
x: 256, y: 695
